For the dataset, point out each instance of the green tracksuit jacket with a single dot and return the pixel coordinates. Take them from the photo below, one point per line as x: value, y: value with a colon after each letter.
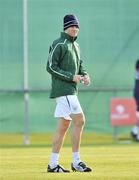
x: 63, y: 63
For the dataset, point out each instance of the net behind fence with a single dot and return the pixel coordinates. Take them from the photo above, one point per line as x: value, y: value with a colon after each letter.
x: 109, y: 36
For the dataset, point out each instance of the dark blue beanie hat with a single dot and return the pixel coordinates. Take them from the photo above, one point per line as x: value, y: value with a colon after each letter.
x: 70, y: 20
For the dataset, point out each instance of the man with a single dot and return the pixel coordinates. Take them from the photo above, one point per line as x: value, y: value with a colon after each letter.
x: 135, y: 130
x: 67, y: 71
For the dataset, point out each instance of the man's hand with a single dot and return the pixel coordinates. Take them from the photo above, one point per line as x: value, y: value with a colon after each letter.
x: 77, y: 78
x: 86, y: 80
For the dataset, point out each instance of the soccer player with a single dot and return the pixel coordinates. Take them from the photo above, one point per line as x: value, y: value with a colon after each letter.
x: 135, y: 130
x: 66, y: 69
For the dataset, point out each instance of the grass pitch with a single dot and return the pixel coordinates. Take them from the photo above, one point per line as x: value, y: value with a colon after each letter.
x: 110, y: 161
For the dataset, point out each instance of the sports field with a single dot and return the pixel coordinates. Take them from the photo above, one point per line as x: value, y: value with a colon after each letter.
x: 109, y: 160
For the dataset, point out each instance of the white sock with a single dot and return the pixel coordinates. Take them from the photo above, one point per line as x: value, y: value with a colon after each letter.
x: 135, y: 130
x: 76, y: 158
x: 54, y: 160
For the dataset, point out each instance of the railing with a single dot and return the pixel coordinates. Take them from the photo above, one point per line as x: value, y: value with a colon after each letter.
x: 26, y: 93
x: 122, y: 89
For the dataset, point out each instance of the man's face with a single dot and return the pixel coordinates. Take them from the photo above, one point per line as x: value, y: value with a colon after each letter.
x: 73, y: 31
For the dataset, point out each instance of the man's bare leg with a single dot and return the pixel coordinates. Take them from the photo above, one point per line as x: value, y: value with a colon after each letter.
x: 78, y: 124
x: 58, y: 140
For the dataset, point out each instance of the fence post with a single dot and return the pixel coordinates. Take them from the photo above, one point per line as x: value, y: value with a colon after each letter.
x: 25, y: 57
x: 115, y: 127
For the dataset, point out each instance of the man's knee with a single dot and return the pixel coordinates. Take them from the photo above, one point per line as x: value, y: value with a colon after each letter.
x: 64, y: 125
x: 79, y: 120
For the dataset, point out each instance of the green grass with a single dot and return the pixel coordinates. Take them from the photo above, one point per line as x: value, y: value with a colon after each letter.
x: 109, y: 160
x: 46, y: 139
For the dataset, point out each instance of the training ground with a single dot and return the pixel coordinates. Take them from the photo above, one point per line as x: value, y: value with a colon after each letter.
x: 110, y: 160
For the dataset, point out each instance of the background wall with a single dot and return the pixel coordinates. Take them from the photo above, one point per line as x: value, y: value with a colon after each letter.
x: 108, y: 38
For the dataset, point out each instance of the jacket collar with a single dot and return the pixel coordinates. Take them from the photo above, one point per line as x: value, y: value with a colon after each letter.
x: 67, y: 36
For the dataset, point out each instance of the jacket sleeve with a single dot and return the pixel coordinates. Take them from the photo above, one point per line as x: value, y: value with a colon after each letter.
x: 53, y: 62
x: 82, y: 70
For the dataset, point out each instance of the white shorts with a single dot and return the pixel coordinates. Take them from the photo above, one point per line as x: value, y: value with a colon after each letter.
x: 67, y: 105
